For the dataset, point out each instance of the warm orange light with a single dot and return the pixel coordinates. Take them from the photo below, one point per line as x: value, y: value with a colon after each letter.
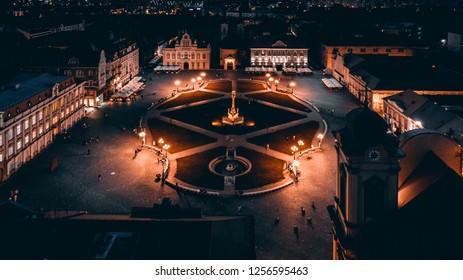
x: 177, y: 83
x: 203, y: 74
x: 193, y: 80
x: 292, y: 84
x: 270, y: 79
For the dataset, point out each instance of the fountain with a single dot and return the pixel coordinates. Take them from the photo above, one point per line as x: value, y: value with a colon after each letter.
x: 230, y: 166
x: 233, y: 117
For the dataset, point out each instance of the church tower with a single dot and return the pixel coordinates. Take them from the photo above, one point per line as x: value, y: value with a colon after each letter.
x: 367, y: 178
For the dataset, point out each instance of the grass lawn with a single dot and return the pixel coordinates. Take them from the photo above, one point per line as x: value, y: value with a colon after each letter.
x: 265, y: 170
x: 243, y: 86
x: 223, y: 86
x: 189, y: 98
x: 194, y: 170
x: 281, y: 99
x: 282, y: 140
x: 178, y: 138
x: 262, y: 116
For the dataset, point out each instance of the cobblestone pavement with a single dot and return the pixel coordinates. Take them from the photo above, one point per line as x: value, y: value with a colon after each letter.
x: 128, y: 181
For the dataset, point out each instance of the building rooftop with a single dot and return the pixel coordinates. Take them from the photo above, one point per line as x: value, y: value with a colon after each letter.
x: 25, y: 86
x: 277, y: 41
x: 398, y: 73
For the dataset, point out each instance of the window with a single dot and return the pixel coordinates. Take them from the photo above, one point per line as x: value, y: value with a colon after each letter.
x: 90, y: 73
x: 40, y: 130
x: 26, y: 124
x: 26, y: 139
x: 1, y: 157
x: 10, y: 151
x: 34, y: 119
x: 18, y: 129
x: 79, y: 73
x: 1, y: 140
x: 18, y: 146
x: 47, y: 125
x: 362, y: 50
x: 34, y: 134
x: 168, y: 56
x: 54, y: 120
x: 349, y: 50
x: 40, y: 115
x: 204, y: 56
x: 401, y: 50
x: 375, y: 50
x: 198, y: 56
x: 388, y: 50
x: 9, y: 134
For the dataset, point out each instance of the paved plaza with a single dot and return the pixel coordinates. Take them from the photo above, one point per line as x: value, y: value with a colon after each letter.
x: 128, y: 178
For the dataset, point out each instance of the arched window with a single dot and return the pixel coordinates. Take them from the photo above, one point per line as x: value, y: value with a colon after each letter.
x: 168, y: 56
x: 90, y: 73
x: 185, y: 55
x: 198, y: 56
x: 173, y: 56
x: 178, y: 55
x: 204, y: 56
x: 192, y: 55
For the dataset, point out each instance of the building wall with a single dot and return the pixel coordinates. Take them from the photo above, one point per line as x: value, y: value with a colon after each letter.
x: 187, y: 55
x: 327, y: 52
x: 27, y: 133
x: 226, y: 52
x: 286, y: 57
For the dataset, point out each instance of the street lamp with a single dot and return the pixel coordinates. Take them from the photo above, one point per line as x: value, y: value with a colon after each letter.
x: 294, y: 149
x: 276, y: 84
x: 296, y: 165
x: 203, y: 74
x: 292, y: 85
x: 142, y: 135
x: 199, y: 79
x: 193, y: 81
x: 166, y: 147
x: 161, y: 141
x: 320, y: 138
x: 177, y: 83
x: 267, y: 75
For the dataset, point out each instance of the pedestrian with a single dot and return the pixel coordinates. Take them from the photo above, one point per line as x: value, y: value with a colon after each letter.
x: 99, y: 177
x: 88, y: 152
x: 277, y: 220
x: 313, y: 206
x: 97, y: 139
x: 309, y: 220
x: 239, y: 209
x: 302, y: 211
x: 268, y: 146
x: 296, y: 229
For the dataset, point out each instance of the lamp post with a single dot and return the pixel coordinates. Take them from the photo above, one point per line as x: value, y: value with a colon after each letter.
x: 193, y: 81
x: 142, y: 135
x: 276, y: 84
x: 292, y: 85
x: 296, y: 165
x: 268, y: 75
x: 161, y: 141
x: 320, y: 138
x: 199, y: 79
x: 294, y: 149
x: 177, y: 83
x: 166, y: 147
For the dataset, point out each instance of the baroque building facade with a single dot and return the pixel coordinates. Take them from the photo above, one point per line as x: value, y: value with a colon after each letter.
x: 187, y: 53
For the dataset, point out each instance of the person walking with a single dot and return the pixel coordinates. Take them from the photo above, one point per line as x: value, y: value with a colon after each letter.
x: 99, y: 177
x: 88, y: 152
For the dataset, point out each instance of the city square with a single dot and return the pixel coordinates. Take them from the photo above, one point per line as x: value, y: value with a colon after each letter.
x: 128, y: 178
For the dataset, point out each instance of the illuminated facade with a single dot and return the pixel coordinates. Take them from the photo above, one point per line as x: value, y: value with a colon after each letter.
x: 278, y: 54
x: 33, y: 111
x: 188, y: 54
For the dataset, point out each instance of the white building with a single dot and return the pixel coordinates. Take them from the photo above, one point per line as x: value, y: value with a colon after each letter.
x: 34, y: 108
x: 279, y: 52
x: 187, y: 53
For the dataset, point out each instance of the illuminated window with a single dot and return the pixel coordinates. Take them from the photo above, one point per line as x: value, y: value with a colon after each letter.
x: 18, y: 129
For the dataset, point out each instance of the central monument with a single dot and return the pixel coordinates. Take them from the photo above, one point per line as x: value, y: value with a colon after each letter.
x: 233, y: 117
